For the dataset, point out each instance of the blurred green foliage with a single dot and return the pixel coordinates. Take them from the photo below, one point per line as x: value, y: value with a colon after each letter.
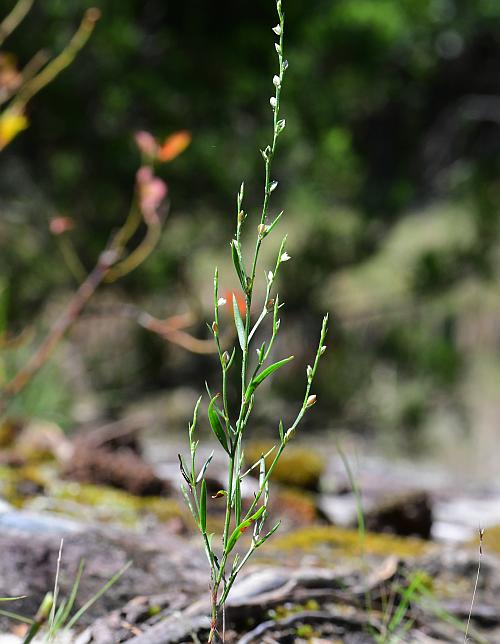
x: 391, y: 106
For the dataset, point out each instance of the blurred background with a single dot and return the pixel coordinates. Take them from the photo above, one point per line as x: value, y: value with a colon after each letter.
x: 388, y: 175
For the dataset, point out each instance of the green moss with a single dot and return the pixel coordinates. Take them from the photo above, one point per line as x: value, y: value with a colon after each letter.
x: 154, y: 610
x: 112, y: 505
x: 17, y: 484
x: 298, y: 466
x: 347, y: 542
x: 305, y: 630
x: 285, y: 610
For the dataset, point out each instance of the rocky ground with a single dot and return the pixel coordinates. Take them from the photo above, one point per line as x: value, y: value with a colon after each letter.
x: 410, y: 578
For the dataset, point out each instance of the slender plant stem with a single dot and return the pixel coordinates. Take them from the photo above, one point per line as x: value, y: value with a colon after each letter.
x: 14, y: 18
x: 225, y: 567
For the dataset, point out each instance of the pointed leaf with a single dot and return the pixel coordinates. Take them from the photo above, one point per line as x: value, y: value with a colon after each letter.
x: 188, y: 502
x: 216, y: 425
x: 238, y: 264
x: 265, y: 537
x: 263, y: 375
x: 239, y: 324
x: 240, y: 529
x: 204, y: 468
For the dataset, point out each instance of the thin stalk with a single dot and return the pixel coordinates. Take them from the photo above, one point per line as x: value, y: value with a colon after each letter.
x: 59, y: 63
x: 14, y: 18
x: 231, y: 437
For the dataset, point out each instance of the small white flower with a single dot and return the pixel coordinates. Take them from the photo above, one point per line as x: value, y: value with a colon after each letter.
x: 285, y: 257
x: 276, y: 81
x: 221, y: 301
x: 270, y: 276
x: 273, y: 101
x: 277, y: 30
x: 273, y: 185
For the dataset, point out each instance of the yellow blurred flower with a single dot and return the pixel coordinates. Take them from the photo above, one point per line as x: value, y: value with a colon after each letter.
x: 11, y: 123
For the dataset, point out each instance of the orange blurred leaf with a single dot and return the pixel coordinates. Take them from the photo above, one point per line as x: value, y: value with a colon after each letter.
x: 240, y: 300
x: 174, y: 145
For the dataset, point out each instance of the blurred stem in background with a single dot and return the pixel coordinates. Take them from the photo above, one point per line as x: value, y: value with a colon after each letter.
x: 147, y: 207
x: 33, y: 79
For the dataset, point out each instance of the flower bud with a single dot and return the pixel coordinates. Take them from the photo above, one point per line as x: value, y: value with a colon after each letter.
x: 309, y: 372
x: 215, y: 328
x: 277, y: 30
x: 322, y: 350
x: 273, y: 101
x: 311, y: 400
x: 225, y: 357
x: 262, y: 229
x: 276, y: 81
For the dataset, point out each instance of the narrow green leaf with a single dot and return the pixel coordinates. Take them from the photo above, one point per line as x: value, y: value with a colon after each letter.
x: 231, y: 360
x: 273, y: 224
x: 240, y: 529
x: 203, y: 507
x: 263, y: 375
x: 262, y: 470
x: 216, y: 425
x: 238, y: 264
x: 74, y: 591
x: 192, y: 425
x: 239, y: 323
x: 97, y: 595
x: 17, y: 617
x: 188, y: 502
x: 266, y: 537
x: 204, y: 468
